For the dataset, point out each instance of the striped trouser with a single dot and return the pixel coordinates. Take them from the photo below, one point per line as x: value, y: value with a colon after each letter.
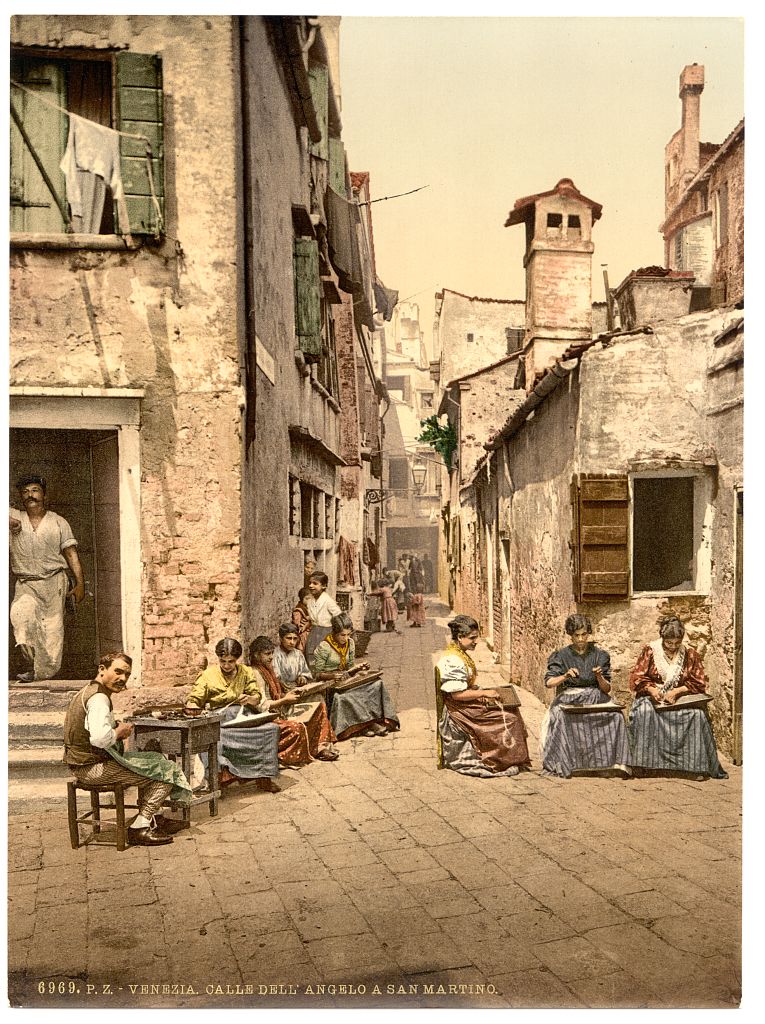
x: 151, y: 794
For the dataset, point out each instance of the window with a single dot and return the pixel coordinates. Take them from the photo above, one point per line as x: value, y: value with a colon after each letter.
x: 660, y: 529
x: 470, y: 337
x: 679, y: 251
x: 663, y: 552
x: 574, y: 221
x: 514, y: 336
x: 307, y: 504
x: 295, y: 518
x: 721, y: 215
x: 426, y: 401
x: 554, y: 221
x: 121, y: 91
x: 398, y: 474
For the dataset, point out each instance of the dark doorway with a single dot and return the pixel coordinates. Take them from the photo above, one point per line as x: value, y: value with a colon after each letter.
x: 81, y: 468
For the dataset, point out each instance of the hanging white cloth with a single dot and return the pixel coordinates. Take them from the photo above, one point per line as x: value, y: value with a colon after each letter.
x: 91, y: 161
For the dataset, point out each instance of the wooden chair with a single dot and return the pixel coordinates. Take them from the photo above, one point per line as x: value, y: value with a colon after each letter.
x: 97, y: 834
x: 439, y: 712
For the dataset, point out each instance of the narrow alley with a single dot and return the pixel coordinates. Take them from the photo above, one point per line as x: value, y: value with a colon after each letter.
x: 407, y: 885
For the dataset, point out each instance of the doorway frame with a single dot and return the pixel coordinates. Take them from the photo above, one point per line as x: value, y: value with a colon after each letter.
x: 115, y: 409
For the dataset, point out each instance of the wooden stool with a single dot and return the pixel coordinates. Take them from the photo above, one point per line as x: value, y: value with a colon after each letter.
x: 93, y: 816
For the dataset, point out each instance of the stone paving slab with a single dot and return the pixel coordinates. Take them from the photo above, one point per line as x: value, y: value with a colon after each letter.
x: 380, y: 881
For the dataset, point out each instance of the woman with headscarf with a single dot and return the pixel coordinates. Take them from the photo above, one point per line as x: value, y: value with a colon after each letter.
x: 366, y: 709
x: 300, y: 741
x: 243, y: 754
x: 588, y: 741
x: 478, y: 736
x: 678, y: 739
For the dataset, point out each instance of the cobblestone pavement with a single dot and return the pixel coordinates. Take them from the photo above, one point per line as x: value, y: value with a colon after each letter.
x: 408, y: 885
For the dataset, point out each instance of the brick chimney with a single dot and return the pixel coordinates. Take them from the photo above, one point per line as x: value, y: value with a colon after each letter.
x: 558, y: 264
x: 681, y: 154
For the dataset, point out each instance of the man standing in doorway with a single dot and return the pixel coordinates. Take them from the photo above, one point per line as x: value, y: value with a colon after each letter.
x: 42, y: 548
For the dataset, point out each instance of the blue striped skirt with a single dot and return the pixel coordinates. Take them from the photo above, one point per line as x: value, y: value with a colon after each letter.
x: 586, y: 742
x: 679, y: 740
x: 249, y: 753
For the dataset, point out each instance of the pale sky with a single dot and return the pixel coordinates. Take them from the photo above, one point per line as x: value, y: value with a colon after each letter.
x: 485, y: 110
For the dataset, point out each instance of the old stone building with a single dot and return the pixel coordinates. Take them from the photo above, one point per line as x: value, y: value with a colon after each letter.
x: 614, y: 485
x: 174, y: 352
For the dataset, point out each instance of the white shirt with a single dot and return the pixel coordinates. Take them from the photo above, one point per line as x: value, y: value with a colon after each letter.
x: 321, y: 609
x: 38, y: 554
x: 454, y: 674
x: 99, y: 721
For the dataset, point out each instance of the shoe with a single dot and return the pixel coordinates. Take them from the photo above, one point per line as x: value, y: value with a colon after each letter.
x: 25, y: 677
x: 225, y: 778
x: 267, y: 786
x: 379, y: 730
x: 168, y: 826
x: 147, y: 837
x: 327, y: 755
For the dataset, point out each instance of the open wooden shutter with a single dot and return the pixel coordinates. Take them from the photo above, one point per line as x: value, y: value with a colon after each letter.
x: 318, y: 76
x: 601, y: 517
x: 33, y: 208
x: 307, y: 297
x: 337, y: 167
x: 141, y: 110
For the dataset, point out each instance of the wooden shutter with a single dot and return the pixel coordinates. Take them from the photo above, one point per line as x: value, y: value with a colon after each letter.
x: 141, y: 110
x: 601, y: 517
x: 318, y: 76
x: 307, y: 297
x: 337, y: 167
x: 33, y: 208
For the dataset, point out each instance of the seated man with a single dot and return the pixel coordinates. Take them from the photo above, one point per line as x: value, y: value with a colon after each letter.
x: 93, y: 751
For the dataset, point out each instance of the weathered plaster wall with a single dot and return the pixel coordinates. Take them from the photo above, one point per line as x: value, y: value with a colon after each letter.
x: 272, y: 566
x: 164, y: 319
x: 486, y: 402
x: 486, y: 320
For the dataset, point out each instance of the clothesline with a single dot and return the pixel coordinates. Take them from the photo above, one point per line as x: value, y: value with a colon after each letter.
x: 128, y: 135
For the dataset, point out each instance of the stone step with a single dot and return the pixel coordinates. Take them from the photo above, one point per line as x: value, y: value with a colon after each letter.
x: 27, y: 796
x: 42, y: 696
x: 36, y: 728
x: 38, y: 762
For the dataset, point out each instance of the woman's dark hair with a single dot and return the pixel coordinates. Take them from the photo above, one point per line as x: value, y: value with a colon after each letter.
x: 341, y: 622
x: 228, y: 648
x: 260, y: 645
x: 671, y: 628
x: 287, y: 629
x: 321, y: 577
x: 462, y: 625
x: 575, y: 622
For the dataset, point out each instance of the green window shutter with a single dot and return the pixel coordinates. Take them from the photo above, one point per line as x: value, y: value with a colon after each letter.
x: 141, y: 111
x: 307, y: 298
x: 337, y: 166
x: 318, y: 76
x: 33, y: 208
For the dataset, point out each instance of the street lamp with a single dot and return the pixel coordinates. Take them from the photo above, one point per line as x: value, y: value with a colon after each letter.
x: 419, y: 472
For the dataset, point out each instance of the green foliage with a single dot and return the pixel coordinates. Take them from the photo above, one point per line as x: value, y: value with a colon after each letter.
x: 442, y: 438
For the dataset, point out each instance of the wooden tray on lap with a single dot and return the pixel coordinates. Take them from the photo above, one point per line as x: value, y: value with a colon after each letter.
x: 250, y: 721
x: 357, y: 680
x: 586, y: 709
x: 508, y: 696
x: 688, y: 700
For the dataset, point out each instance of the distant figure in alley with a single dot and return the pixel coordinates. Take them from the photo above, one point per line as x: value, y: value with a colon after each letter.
x: 42, y: 548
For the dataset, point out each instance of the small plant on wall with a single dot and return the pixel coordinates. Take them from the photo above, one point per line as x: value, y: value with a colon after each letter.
x: 442, y: 438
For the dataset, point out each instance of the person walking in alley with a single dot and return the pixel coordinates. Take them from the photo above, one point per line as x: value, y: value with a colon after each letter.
x: 478, y: 736
x: 590, y: 741
x: 417, y: 608
x: 93, y: 750
x: 42, y: 547
x: 321, y: 609
x: 388, y: 606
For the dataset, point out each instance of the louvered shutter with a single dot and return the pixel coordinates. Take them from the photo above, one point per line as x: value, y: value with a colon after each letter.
x: 337, y: 167
x: 318, y: 76
x: 307, y: 297
x: 141, y: 111
x: 601, y: 516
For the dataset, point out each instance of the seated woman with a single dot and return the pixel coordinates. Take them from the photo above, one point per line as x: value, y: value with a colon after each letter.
x: 581, y: 674
x: 478, y: 736
x: 300, y: 741
x: 366, y: 709
x: 243, y: 754
x: 679, y: 740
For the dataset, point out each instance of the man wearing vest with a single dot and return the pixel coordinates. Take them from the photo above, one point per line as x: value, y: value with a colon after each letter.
x: 93, y: 750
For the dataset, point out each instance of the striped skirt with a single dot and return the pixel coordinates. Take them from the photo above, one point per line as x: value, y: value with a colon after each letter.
x: 353, y: 711
x: 582, y: 742
x: 249, y: 753
x: 678, y: 740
